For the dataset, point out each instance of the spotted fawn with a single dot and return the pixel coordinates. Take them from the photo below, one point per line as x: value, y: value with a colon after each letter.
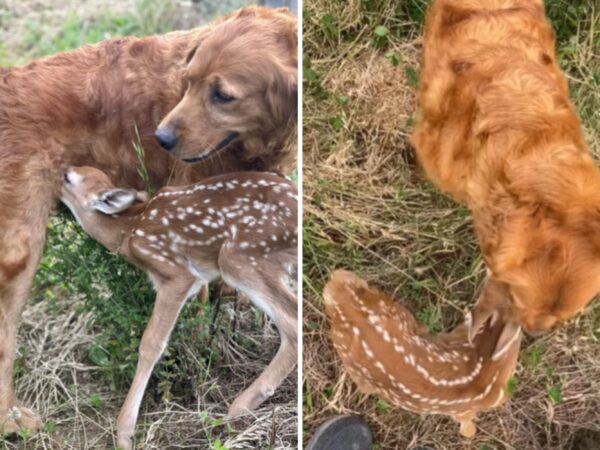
x: 388, y: 353
x: 241, y: 227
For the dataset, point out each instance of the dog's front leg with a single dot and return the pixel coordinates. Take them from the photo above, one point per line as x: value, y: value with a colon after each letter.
x: 23, y: 218
x: 170, y: 298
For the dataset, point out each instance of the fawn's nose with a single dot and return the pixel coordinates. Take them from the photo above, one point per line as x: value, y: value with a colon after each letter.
x: 166, y: 138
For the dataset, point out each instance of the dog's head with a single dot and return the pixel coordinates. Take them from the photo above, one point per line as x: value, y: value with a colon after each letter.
x: 241, y: 87
x: 551, y: 279
x: 546, y: 248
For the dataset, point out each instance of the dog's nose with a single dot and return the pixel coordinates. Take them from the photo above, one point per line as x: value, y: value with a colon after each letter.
x: 166, y: 138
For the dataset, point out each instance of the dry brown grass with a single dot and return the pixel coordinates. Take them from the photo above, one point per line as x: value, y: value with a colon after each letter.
x: 369, y: 209
x: 58, y: 381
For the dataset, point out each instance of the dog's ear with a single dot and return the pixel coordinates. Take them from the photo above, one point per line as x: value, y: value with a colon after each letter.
x: 195, y: 42
x: 191, y: 52
x: 283, y: 88
x: 114, y: 201
x: 281, y: 96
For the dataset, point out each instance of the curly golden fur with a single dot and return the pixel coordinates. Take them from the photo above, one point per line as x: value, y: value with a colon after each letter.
x: 497, y: 131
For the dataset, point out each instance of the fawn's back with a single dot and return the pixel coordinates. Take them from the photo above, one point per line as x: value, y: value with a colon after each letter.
x: 387, y: 352
x: 255, y: 213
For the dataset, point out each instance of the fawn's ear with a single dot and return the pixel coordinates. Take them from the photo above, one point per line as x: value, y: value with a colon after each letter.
x: 114, y: 200
x: 493, y: 303
x: 477, y: 319
x: 509, y: 334
x: 142, y: 196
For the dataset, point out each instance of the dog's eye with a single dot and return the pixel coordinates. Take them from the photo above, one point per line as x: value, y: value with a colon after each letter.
x: 219, y: 96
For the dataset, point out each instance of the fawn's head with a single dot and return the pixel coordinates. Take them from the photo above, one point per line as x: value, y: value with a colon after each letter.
x: 88, y: 191
x: 494, y: 305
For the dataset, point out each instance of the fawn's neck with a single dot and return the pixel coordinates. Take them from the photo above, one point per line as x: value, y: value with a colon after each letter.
x: 114, y: 231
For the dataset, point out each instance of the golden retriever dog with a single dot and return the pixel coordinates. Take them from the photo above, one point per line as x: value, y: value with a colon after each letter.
x: 223, y: 95
x: 497, y: 131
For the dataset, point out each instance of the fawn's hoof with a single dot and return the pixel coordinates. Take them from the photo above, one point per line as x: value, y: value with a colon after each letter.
x: 342, y: 433
x: 468, y: 429
x: 237, y: 409
x: 17, y: 418
x: 248, y: 401
x: 124, y: 441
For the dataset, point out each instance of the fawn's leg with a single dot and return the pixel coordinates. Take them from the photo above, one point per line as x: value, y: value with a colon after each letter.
x: 203, y: 294
x: 23, y: 216
x: 467, y: 427
x: 170, y: 298
x: 265, y: 285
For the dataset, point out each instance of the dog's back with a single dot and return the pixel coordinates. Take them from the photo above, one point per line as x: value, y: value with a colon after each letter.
x: 496, y: 130
x: 489, y: 81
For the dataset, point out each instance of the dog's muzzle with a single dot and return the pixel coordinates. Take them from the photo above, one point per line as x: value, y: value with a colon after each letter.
x: 231, y: 136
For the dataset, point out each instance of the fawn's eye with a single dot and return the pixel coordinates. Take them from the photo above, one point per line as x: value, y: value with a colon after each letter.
x: 218, y: 96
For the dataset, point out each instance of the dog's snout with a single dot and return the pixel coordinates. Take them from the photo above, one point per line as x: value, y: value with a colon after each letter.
x: 166, y: 138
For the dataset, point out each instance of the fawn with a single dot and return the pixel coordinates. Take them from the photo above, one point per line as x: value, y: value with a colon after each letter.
x: 388, y: 353
x: 241, y: 227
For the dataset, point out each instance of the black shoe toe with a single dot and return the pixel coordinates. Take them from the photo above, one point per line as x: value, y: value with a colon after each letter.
x: 342, y: 433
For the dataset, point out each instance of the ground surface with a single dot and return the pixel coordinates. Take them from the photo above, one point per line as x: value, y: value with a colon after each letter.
x: 78, y: 341
x: 368, y: 208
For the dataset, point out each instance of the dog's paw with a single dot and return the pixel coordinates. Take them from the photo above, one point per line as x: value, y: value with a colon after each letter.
x: 17, y: 418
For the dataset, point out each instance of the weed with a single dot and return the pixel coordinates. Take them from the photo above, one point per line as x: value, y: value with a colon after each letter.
x: 96, y: 401
x: 431, y: 317
x: 555, y: 393
x: 393, y: 58
x: 381, y: 406
x: 218, y: 446
x: 533, y: 357
x: 141, y: 156
x: 336, y: 123
x: 380, y: 35
x: 328, y: 24
x: 511, y: 385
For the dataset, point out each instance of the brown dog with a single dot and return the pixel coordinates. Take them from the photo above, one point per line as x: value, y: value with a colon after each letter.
x: 498, y: 132
x: 231, y: 86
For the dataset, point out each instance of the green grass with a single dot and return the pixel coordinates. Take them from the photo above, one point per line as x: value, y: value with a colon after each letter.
x: 152, y: 17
